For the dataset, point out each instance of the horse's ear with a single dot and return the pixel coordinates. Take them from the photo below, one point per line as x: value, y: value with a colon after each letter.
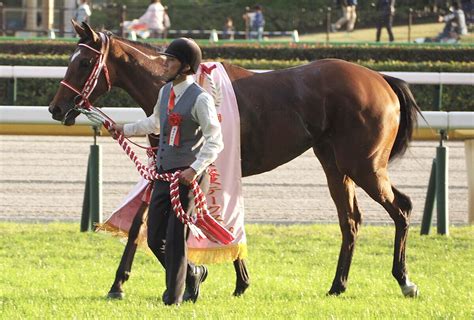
x: 90, y: 33
x: 79, y: 30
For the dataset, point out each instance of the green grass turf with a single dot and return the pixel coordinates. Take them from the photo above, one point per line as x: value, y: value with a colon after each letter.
x: 52, y: 271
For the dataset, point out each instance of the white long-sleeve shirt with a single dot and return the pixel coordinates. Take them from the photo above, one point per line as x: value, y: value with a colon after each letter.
x: 154, y: 16
x: 83, y: 13
x: 203, y: 112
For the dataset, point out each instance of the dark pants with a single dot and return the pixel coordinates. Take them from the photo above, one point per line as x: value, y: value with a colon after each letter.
x: 155, y: 33
x: 467, y: 8
x: 167, y: 238
x: 385, y: 20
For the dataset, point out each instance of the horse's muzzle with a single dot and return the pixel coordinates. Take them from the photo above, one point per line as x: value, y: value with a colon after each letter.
x: 56, y: 112
x: 68, y: 118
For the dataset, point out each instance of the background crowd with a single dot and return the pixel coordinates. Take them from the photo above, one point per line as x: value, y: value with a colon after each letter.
x: 255, y: 21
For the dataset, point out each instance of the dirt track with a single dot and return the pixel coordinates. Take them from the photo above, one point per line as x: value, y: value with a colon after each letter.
x: 42, y: 179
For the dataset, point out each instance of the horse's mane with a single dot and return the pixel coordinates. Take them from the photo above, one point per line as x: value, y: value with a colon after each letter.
x: 144, y: 45
x: 146, y: 50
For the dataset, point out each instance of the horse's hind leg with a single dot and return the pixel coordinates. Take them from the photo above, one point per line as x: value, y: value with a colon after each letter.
x: 377, y: 184
x: 125, y: 266
x: 342, y: 191
x: 242, y: 277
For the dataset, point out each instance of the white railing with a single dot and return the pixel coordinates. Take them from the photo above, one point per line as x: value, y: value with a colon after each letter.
x: 32, y: 72
x: 437, y: 120
x: 442, y: 120
x: 436, y: 78
x: 41, y: 115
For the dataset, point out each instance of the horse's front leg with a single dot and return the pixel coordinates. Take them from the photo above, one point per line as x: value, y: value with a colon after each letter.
x: 125, y: 266
x: 242, y: 277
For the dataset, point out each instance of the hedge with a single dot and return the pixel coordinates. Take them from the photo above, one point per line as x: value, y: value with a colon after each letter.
x: 41, y: 91
x: 303, y: 51
x: 347, y: 52
x: 387, y: 65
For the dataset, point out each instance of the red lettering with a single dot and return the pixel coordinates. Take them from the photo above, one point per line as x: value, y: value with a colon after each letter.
x: 210, y: 192
x: 215, y: 211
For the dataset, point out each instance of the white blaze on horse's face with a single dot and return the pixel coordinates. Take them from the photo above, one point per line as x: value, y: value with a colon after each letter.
x: 81, y: 65
x: 75, y: 55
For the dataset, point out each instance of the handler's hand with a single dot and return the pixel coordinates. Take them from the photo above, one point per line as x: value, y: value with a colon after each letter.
x: 115, y: 130
x: 187, y: 176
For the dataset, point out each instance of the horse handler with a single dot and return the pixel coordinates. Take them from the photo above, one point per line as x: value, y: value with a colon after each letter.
x: 190, y: 141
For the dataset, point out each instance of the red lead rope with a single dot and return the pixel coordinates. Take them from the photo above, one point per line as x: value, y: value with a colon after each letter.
x: 202, y: 225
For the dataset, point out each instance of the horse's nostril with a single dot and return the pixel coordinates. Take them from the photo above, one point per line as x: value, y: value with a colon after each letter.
x: 55, y: 111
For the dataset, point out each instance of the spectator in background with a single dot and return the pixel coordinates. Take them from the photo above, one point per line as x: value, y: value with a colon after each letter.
x: 83, y: 12
x: 154, y: 19
x: 455, y: 23
x: 258, y: 23
x: 349, y: 15
x: 385, y: 13
x: 248, y: 19
x: 466, y: 6
x: 229, y: 29
x: 166, y: 23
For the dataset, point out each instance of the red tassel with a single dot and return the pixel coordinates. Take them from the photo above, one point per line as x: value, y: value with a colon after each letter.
x: 147, y: 195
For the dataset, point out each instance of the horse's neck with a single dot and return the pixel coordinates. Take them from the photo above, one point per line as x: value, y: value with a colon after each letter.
x: 236, y: 72
x: 137, y: 75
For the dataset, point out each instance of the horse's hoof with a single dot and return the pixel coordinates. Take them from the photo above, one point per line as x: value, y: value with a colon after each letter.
x: 410, y: 290
x: 336, y: 291
x: 240, y: 290
x: 333, y: 293
x: 118, y: 295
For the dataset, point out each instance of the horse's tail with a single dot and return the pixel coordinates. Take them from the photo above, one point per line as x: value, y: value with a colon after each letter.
x: 409, y: 110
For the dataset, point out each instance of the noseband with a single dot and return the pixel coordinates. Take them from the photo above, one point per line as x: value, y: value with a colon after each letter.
x: 82, y: 98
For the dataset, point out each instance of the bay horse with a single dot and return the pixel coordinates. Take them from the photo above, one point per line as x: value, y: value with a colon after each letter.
x: 353, y: 118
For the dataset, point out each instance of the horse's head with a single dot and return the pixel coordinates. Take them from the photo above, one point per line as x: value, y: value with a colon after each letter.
x: 86, y: 76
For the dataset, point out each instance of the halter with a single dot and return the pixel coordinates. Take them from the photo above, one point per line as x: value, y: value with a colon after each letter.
x: 81, y: 101
x: 91, y: 81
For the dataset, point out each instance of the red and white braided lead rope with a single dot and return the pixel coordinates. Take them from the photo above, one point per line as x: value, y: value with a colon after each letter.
x: 202, y: 224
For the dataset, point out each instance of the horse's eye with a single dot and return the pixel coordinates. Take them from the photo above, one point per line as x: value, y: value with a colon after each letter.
x: 86, y: 62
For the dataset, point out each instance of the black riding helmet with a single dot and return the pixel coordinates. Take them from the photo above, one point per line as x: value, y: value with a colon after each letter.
x: 186, y: 51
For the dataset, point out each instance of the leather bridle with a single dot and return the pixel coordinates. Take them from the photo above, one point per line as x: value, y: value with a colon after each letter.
x: 82, y: 98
